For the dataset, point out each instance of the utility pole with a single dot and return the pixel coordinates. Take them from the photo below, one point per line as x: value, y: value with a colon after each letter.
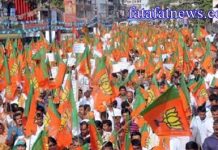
x: 49, y: 20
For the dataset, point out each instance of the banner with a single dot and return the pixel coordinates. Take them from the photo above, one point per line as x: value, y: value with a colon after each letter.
x: 70, y: 11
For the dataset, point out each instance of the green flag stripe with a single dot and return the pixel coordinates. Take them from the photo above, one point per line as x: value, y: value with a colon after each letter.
x: 185, y: 89
x: 170, y: 94
x: 52, y: 106
x: 139, y: 99
x: 200, y: 82
x: 29, y: 100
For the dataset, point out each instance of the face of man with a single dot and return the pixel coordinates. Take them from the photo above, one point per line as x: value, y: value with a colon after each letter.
x: 136, y: 137
x: 81, y: 111
x: 136, y: 148
x: 106, y: 127
x: 39, y: 121
x: 215, y: 128
x: 202, y: 115
x: 18, y: 120
x: 21, y: 147
x: 108, y: 148
x: 100, y: 130
x: 215, y: 115
x: 129, y: 97
x: 125, y: 116
x: 19, y: 90
x: 1, y: 129
x: 116, y: 119
x: 87, y: 94
x: 52, y: 146
x: 213, y: 102
x: 122, y: 92
x: 203, y: 73
x: 84, y: 130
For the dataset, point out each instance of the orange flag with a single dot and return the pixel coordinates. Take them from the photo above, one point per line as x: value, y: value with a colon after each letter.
x: 166, y: 115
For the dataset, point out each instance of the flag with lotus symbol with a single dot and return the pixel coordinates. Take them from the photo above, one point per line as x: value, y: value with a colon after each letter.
x: 102, y: 89
x: 166, y: 115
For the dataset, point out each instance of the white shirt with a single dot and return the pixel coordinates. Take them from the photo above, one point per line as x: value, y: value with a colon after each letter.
x: 208, y: 80
x: 178, y: 143
x: 153, y: 139
x: 30, y: 140
x: 201, y: 129
x: 111, y: 114
x: 16, y: 100
x: 106, y: 136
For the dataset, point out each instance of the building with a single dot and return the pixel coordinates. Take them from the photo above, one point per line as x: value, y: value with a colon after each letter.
x: 85, y: 9
x: 138, y: 3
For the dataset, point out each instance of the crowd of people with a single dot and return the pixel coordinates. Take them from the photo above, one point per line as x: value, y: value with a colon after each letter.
x: 48, y: 103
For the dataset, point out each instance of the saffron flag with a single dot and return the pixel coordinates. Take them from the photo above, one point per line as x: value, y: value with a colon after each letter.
x: 166, y: 115
x: 102, y: 88
x: 200, y: 92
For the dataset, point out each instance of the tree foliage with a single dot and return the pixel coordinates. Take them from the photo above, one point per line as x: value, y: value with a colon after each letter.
x: 55, y: 3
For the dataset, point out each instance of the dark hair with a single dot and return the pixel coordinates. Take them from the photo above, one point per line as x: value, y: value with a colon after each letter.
x: 201, y: 108
x: 41, y: 109
x: 81, y: 106
x: 84, y: 123
x: 214, y: 108
x: 14, y: 107
x: 135, y: 133
x: 125, y: 110
x: 122, y: 87
x: 114, y: 75
x: 213, y: 97
x: 136, y: 142
x: 86, y: 106
x: 52, y: 140
x: 79, y: 139
x: 15, y: 115
x: 124, y: 104
x: 107, y: 144
x: 20, y: 109
x: 191, y: 145
x: 108, y: 122
x: 124, y: 71
x: 215, y: 122
x: 104, y: 114
x: 98, y: 124
x: 114, y: 103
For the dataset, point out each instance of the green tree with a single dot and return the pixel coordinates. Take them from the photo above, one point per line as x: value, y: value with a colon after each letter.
x: 54, y: 3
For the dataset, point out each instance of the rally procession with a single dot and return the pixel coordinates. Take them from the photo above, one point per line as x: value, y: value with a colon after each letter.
x: 129, y: 85
x: 132, y: 87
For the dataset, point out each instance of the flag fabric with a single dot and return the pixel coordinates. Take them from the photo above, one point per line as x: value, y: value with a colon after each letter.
x: 30, y: 125
x: 64, y: 136
x: 199, y: 92
x: 166, y: 114
x: 185, y: 95
x: 41, y: 141
x: 214, y: 82
x: 207, y: 62
x: 84, y: 63
x: 52, y: 119
x: 139, y: 105
x: 102, y: 88
x: 95, y: 138
x: 28, y: 101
